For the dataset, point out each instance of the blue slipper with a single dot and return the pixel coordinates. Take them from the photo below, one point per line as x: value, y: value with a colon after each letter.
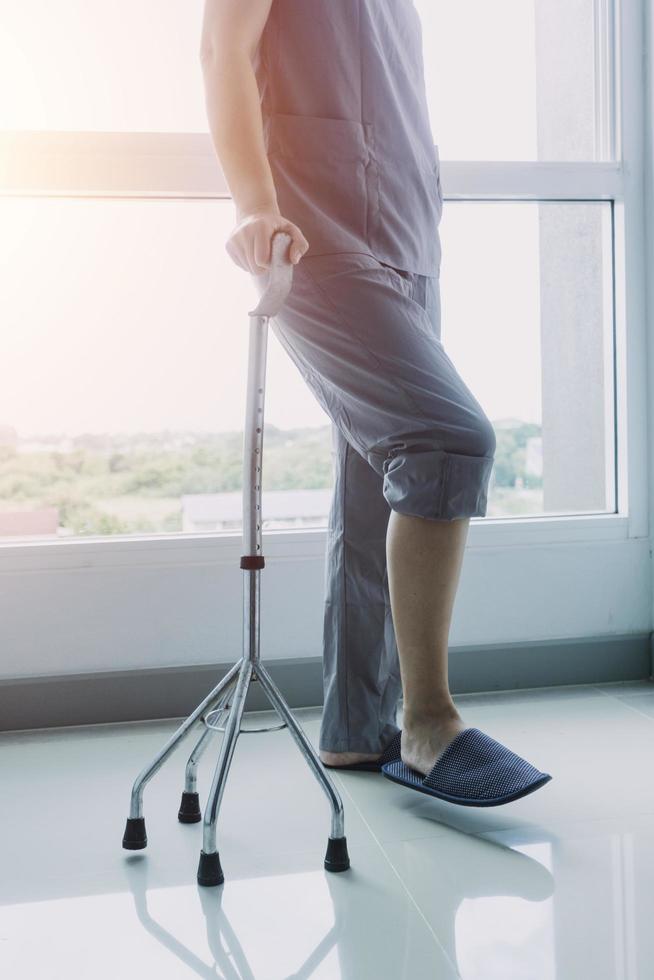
x: 473, y: 770
x: 390, y: 754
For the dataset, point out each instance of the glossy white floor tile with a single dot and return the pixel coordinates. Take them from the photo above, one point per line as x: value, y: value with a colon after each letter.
x: 557, y: 885
x: 289, y: 920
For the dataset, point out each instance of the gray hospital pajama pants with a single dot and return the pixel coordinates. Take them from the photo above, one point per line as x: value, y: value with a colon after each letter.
x: 408, y: 435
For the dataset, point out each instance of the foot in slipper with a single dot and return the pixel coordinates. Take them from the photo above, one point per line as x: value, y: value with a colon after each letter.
x: 390, y: 754
x: 473, y: 770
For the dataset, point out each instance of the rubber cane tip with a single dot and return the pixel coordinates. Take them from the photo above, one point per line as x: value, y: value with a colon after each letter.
x: 189, y: 809
x: 209, y: 870
x: 337, y: 858
x: 135, y: 838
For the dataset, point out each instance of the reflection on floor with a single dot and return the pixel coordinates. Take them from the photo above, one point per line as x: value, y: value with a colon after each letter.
x: 555, y: 885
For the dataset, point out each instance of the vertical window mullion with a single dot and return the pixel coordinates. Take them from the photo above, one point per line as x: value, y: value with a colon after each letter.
x: 605, y: 92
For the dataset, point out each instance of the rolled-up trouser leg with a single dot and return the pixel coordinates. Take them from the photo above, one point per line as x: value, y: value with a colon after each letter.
x: 366, y: 339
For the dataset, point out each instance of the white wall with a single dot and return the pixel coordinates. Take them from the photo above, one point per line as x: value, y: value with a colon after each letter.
x: 129, y: 604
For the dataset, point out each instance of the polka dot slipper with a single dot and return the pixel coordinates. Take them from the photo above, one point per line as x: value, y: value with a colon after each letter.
x: 390, y: 754
x: 473, y: 770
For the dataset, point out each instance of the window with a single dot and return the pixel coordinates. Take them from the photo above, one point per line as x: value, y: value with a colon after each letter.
x: 123, y: 353
x: 86, y: 66
x: 520, y: 79
x: 124, y: 360
x: 522, y: 106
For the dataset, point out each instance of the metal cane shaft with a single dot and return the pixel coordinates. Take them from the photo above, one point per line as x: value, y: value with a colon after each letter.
x: 136, y: 808
x: 225, y: 758
x: 253, y: 435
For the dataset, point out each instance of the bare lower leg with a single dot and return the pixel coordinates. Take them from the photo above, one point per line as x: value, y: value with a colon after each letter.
x: 424, y: 559
x: 424, y: 567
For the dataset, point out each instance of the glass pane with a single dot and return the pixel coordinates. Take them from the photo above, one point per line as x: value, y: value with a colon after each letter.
x: 127, y: 65
x: 527, y: 319
x: 123, y: 365
x: 512, y: 79
x: 123, y: 360
x: 507, y: 80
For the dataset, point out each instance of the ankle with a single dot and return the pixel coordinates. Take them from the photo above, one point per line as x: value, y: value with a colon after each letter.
x: 425, y: 716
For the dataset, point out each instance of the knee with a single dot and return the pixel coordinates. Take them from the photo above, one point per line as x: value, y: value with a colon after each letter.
x: 425, y: 481
x: 484, y: 440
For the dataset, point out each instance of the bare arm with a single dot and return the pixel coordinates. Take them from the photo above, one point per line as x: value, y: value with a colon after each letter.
x: 230, y: 33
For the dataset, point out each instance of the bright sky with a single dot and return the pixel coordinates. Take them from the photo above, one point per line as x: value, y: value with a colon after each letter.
x: 129, y: 315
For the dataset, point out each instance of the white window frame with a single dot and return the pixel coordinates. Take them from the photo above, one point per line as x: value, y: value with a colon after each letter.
x: 178, y: 165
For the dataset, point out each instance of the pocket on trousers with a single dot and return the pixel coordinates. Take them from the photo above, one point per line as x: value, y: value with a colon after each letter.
x: 401, y: 277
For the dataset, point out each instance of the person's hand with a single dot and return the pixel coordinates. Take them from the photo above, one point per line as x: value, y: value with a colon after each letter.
x: 249, y: 242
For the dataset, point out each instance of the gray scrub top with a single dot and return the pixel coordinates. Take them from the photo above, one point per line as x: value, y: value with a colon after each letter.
x: 347, y: 130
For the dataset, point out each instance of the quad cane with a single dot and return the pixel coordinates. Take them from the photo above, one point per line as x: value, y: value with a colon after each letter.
x: 249, y: 667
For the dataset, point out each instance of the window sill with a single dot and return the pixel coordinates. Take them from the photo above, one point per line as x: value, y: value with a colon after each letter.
x: 224, y: 548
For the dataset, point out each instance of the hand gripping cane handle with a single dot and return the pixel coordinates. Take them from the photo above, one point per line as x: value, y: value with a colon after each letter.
x: 280, y: 277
